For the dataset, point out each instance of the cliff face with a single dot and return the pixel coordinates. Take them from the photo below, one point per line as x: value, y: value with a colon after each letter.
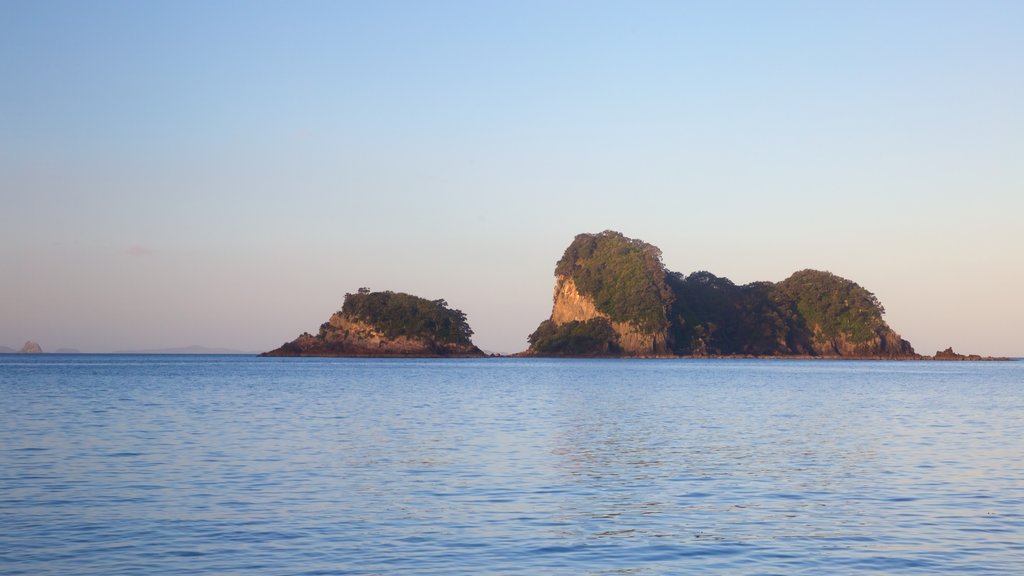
x: 885, y: 344
x: 614, y: 297
x: 389, y: 325
x: 610, y: 299
x: 571, y: 306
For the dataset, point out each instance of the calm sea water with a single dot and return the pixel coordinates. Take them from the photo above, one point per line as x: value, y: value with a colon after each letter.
x: 230, y: 465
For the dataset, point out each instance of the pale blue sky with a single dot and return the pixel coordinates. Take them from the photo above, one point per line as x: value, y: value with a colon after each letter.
x: 221, y: 173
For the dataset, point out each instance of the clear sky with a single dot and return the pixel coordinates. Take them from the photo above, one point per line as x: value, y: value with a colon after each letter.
x: 222, y: 173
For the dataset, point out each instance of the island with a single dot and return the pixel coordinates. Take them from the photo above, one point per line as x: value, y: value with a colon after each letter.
x: 31, y: 347
x: 387, y: 324
x: 614, y: 297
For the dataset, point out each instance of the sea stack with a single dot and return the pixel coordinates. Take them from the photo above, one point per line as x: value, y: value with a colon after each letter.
x: 611, y: 299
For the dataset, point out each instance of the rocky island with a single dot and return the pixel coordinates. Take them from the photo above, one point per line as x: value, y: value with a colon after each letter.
x: 614, y: 297
x: 387, y: 324
x: 31, y: 347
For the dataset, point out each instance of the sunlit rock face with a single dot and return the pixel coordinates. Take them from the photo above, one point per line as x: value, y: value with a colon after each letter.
x: 610, y: 298
x: 571, y: 306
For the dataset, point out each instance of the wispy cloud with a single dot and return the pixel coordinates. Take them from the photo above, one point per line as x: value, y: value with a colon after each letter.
x: 139, y: 251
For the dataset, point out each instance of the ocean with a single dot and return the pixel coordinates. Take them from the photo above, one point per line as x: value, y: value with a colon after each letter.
x: 245, y: 465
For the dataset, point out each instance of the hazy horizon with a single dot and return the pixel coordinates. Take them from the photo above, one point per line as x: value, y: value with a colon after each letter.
x: 185, y: 173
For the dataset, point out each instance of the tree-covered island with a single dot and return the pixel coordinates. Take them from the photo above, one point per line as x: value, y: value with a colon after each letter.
x: 389, y: 324
x: 614, y: 297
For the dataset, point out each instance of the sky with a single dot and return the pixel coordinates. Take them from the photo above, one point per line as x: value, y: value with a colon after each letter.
x: 221, y: 173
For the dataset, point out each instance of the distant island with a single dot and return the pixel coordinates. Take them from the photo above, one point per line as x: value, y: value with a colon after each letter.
x: 614, y: 297
x: 31, y: 347
x: 387, y: 324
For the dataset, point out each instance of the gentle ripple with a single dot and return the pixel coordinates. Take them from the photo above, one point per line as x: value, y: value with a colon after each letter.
x: 228, y: 465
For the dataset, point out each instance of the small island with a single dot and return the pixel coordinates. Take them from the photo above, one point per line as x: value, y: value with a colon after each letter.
x: 31, y: 347
x: 387, y: 324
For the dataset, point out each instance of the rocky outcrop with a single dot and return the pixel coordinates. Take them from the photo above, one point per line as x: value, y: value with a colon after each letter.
x: 631, y: 339
x: 31, y: 347
x: 883, y: 344
x: 610, y: 299
x: 949, y: 354
x: 614, y: 297
x: 570, y: 305
x: 387, y: 324
x: 349, y: 337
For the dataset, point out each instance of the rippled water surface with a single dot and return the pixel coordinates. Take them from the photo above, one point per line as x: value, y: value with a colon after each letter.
x: 228, y: 465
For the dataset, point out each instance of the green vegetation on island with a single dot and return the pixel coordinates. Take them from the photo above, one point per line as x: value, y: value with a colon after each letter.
x: 648, y: 310
x: 594, y: 337
x: 387, y: 324
x: 614, y: 297
x: 624, y: 277
x: 834, y: 305
x: 397, y: 314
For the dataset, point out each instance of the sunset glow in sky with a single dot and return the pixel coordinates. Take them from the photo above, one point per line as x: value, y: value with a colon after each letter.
x: 222, y: 173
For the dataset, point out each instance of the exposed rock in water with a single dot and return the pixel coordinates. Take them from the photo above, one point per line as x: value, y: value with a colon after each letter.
x: 389, y: 324
x: 31, y: 347
x: 949, y: 354
x: 613, y: 296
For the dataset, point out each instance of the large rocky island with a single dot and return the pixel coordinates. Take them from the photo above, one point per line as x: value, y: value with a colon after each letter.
x: 614, y: 297
x: 387, y: 324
